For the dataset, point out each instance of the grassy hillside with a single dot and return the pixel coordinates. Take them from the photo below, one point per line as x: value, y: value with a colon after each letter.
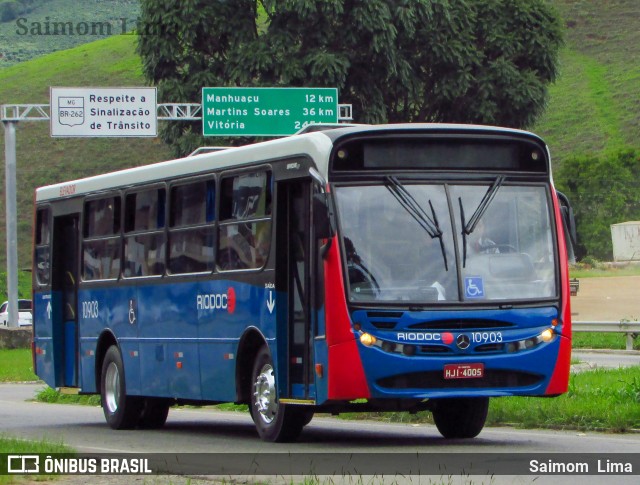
x: 37, y: 27
x: 43, y: 160
x: 594, y: 105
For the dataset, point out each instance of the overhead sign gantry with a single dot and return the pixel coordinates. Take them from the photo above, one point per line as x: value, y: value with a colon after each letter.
x: 134, y: 112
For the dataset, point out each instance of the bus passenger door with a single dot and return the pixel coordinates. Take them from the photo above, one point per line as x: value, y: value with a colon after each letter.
x: 65, y: 291
x: 293, y: 263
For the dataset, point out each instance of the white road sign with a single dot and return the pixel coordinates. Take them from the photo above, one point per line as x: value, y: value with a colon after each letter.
x: 104, y: 112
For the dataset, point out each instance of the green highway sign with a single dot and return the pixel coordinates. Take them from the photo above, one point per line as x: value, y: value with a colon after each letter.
x: 266, y: 111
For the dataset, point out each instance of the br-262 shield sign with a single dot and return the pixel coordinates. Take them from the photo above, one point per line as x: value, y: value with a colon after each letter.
x: 71, y: 110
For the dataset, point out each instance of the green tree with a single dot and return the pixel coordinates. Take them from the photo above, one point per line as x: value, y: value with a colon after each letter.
x: 604, y: 190
x: 469, y: 61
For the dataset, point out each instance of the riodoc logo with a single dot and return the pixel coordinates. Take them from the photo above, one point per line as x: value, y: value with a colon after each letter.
x: 445, y: 338
x: 217, y: 301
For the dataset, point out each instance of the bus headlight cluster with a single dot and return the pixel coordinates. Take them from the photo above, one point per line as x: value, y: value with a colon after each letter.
x: 546, y: 336
x: 369, y: 340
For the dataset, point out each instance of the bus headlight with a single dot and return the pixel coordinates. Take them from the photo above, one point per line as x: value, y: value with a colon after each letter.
x: 367, y: 339
x: 547, y: 335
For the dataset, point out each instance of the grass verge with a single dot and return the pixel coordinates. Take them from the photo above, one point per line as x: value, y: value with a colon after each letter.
x: 49, y: 395
x: 611, y: 341
x: 604, y: 271
x: 13, y: 445
x: 602, y: 400
x: 16, y: 365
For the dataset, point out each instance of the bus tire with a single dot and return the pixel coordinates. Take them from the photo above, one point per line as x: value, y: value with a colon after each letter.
x: 154, y: 413
x: 120, y: 411
x: 461, y: 417
x: 274, y: 422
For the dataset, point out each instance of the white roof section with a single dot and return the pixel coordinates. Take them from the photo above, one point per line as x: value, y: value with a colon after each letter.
x: 315, y: 145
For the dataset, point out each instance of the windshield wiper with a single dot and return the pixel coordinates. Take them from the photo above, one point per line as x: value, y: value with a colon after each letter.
x: 411, y: 205
x: 469, y: 227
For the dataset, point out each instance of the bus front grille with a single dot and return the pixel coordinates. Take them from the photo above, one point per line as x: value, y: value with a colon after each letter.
x: 453, y: 325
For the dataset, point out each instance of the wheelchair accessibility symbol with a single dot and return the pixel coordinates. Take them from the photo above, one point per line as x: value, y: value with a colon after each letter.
x: 473, y: 287
x: 132, y: 312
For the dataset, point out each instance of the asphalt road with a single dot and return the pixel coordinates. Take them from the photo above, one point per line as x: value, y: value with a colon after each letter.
x: 213, y: 432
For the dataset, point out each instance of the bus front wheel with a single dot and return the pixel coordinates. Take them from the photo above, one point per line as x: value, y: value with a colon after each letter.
x: 274, y: 421
x: 461, y: 417
x: 120, y: 411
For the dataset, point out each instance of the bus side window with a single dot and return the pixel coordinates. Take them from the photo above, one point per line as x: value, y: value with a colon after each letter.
x: 43, y: 250
x: 245, y: 221
x: 191, y: 227
x: 144, y: 244
x: 101, y: 243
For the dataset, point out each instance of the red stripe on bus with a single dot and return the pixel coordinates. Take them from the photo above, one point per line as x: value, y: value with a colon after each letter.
x: 559, y: 381
x: 345, y: 373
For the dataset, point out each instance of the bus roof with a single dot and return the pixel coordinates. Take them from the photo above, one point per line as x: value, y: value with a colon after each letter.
x: 317, y: 145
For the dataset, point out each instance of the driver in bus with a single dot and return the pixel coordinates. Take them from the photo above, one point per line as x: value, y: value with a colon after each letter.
x: 483, y: 244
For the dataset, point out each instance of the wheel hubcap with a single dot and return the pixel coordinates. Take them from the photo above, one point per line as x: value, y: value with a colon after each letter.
x: 112, y: 388
x: 264, y: 394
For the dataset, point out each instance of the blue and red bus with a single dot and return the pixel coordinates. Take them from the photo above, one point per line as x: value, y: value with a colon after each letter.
x: 394, y: 267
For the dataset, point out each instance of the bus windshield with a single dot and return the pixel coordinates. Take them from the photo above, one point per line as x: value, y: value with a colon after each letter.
x: 412, y: 242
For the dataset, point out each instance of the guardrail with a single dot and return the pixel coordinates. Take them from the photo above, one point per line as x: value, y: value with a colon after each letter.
x: 631, y: 329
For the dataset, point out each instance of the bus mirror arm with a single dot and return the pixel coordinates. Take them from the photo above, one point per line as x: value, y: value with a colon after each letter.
x: 323, y: 219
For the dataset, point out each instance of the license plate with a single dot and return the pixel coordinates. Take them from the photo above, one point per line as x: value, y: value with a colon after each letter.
x: 464, y: 371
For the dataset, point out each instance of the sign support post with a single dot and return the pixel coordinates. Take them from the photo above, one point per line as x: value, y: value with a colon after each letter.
x: 12, y: 220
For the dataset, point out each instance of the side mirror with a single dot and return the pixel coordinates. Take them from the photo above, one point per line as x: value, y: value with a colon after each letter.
x: 569, y: 219
x: 323, y: 220
x: 569, y: 225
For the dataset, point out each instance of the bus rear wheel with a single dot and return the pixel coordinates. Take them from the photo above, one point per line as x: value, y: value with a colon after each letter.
x: 274, y: 421
x: 154, y: 413
x: 461, y: 417
x: 120, y: 411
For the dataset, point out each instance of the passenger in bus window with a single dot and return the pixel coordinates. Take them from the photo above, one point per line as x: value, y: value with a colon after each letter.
x: 263, y: 234
x: 155, y: 255
x: 135, y: 254
x: 91, y: 263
